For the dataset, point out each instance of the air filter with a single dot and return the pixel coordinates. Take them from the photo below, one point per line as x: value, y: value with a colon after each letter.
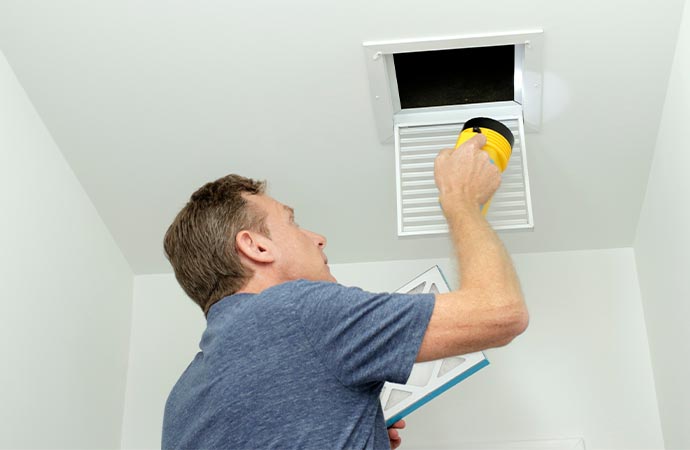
x: 429, y: 379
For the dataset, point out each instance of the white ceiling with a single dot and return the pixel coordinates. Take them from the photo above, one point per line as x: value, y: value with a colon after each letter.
x: 150, y: 99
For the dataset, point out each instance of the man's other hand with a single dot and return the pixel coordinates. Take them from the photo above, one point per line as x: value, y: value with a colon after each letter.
x: 394, y: 435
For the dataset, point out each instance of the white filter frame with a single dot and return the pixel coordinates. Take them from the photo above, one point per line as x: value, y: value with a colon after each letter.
x: 415, y: 394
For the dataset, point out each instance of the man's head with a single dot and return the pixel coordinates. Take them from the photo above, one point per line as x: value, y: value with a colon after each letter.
x: 231, y: 236
x: 289, y: 252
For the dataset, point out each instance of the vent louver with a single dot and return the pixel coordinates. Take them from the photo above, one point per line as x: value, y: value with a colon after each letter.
x: 419, y: 212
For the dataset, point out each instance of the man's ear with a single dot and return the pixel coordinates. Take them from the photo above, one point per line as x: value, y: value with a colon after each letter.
x: 255, y: 246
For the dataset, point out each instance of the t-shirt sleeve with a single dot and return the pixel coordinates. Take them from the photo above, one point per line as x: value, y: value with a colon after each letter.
x: 363, y: 337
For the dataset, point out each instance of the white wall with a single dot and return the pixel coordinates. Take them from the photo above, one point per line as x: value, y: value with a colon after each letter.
x: 662, y: 248
x: 581, y: 369
x: 166, y: 330
x: 66, y: 295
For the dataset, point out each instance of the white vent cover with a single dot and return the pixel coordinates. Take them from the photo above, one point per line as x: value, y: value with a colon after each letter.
x: 420, y: 133
x: 416, y: 147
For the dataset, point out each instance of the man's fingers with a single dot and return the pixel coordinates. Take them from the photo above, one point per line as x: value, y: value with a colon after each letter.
x: 393, y: 434
x: 400, y: 424
x: 445, y: 152
x: 394, y: 438
x: 475, y: 142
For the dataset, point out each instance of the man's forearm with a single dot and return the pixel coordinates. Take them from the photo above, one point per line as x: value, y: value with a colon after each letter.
x: 484, y: 263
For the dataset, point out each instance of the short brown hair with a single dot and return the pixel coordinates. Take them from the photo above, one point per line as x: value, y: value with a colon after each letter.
x: 200, y: 243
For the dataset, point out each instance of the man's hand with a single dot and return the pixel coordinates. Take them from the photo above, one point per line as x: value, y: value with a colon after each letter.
x: 466, y: 176
x: 393, y: 434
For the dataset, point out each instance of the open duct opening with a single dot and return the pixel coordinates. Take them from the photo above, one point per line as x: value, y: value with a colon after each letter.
x: 455, y: 77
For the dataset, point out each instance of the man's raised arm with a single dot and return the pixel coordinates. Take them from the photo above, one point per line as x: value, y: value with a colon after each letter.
x: 488, y: 310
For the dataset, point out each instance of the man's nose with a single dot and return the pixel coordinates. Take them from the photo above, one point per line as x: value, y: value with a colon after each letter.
x: 318, y: 239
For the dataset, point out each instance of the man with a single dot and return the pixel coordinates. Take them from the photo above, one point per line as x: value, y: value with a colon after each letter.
x: 290, y: 358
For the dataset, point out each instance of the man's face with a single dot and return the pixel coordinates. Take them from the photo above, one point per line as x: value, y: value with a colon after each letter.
x: 298, y: 252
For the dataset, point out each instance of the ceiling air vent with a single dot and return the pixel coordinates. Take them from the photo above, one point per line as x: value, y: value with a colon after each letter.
x: 416, y: 147
x: 423, y: 92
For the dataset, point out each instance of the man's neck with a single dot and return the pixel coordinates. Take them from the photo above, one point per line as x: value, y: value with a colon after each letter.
x: 258, y: 283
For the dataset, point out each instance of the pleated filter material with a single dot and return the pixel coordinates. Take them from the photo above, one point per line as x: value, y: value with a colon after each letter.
x: 419, y: 211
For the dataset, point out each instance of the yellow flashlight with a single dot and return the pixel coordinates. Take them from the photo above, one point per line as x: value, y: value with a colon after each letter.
x: 499, y: 142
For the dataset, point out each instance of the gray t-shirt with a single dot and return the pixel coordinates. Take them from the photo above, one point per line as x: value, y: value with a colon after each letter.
x: 300, y: 365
